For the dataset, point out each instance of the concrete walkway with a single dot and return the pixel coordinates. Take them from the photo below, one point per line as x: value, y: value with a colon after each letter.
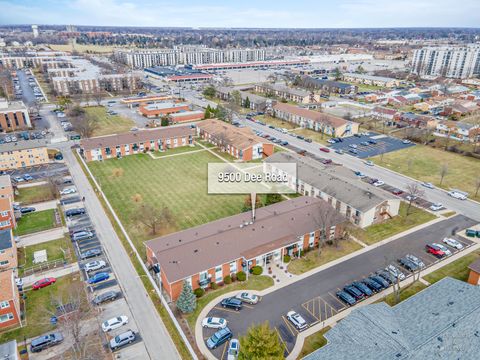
x: 56, y: 273
x: 172, y: 155
x: 42, y: 236
x: 31, y: 184
x: 46, y: 205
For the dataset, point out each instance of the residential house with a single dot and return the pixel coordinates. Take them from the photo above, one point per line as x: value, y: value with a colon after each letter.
x: 314, y: 120
x: 409, y: 119
x: 382, y: 113
x: 241, y: 143
x: 289, y: 94
x: 256, y: 102
x: 330, y: 86
x: 208, y: 253
x: 116, y: 146
x: 361, y: 203
x: 458, y: 130
x: 23, y: 154
x: 460, y: 108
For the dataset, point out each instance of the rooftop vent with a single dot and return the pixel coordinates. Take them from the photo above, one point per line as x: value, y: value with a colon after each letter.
x: 195, y: 251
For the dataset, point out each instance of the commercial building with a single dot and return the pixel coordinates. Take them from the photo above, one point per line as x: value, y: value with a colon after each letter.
x: 162, y: 109
x: 13, y: 116
x: 23, y: 154
x: 7, y: 214
x: 371, y: 80
x: 439, y: 322
x: 186, y: 116
x: 240, y: 143
x: 9, y: 301
x: 450, y: 61
x: 287, y: 93
x: 250, y: 65
x: 137, y: 142
x: 206, y: 254
x: 361, y: 203
x: 314, y: 120
x: 138, y: 100
x: 177, y: 74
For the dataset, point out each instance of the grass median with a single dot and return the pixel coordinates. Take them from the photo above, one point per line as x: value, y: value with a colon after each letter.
x: 457, y: 269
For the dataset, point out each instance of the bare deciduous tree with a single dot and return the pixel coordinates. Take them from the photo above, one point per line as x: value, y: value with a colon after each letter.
x: 85, y: 124
x: 154, y: 219
x: 413, y: 192
x: 98, y: 97
x: 443, y: 172
x: 477, y: 185
x: 324, y: 221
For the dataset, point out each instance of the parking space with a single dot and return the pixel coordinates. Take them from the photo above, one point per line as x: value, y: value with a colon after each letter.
x: 364, y: 146
x: 41, y: 172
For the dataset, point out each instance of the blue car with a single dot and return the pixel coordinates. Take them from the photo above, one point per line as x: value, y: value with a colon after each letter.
x: 346, y: 298
x: 376, y: 287
x: 284, y: 143
x: 219, y: 338
x: 101, y: 276
x: 363, y: 288
x: 353, y: 151
x: 354, y: 292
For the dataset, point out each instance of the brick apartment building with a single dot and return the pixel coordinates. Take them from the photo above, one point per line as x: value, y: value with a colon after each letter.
x: 111, y: 146
x: 290, y: 94
x: 206, y: 254
x: 23, y: 154
x: 9, y: 300
x: 186, y: 116
x: 241, y: 143
x: 314, y: 120
x: 13, y: 116
x: 7, y: 215
x: 162, y: 109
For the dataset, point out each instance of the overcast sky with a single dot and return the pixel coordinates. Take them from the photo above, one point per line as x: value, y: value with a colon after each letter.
x: 245, y: 13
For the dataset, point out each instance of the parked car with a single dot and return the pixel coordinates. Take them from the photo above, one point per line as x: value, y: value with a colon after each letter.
x: 369, y: 163
x: 247, y: 297
x: 324, y: 149
x: 68, y: 191
x: 90, y: 253
x: 297, y: 320
x: 379, y: 280
x: 95, y: 265
x: 378, y: 183
x: 415, y: 260
x: 384, y: 274
x: 436, y: 207
x: 397, y: 192
x: 43, y: 283
x: 114, y: 323
x: 392, y: 269
x: 232, y: 303
x: 353, y: 146
x: 75, y: 212
x: 372, y: 285
x: 457, y: 195
x: 98, y: 277
x: 372, y: 141
x: 219, y: 338
x: 359, y: 174
x: 122, y: 339
x: 408, y: 264
x: 233, y: 349
x: 353, y: 151
x: 427, y: 185
x: 26, y: 210
x: 365, y: 143
x: 339, y: 151
x: 104, y: 297
x: 434, y: 250
x: 27, y: 177
x: 453, y: 243
x: 443, y: 248
x: 363, y: 288
x: 214, y: 323
x: 82, y: 235
x: 346, y: 298
x: 17, y: 178
x: 353, y: 291
x: 308, y: 140
x: 46, y: 341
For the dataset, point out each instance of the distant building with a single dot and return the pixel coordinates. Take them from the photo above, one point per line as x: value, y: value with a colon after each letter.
x: 13, y: 116
x: 371, y: 80
x: 330, y: 86
x: 257, y: 102
x: 287, y: 93
x: 23, y: 154
x: 459, y: 62
x: 186, y: 116
x: 251, y: 65
x: 172, y: 74
x: 7, y: 214
x: 162, y: 109
x: 35, y: 31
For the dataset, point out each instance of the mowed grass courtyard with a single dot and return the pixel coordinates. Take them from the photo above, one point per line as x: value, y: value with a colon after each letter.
x: 178, y: 183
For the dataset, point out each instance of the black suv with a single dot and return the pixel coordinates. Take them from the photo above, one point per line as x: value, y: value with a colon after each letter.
x: 75, y: 212
x: 107, y: 296
x: 45, y: 341
x: 375, y: 286
x: 379, y: 280
x: 353, y: 291
x: 408, y: 264
x: 363, y: 288
x: 232, y: 303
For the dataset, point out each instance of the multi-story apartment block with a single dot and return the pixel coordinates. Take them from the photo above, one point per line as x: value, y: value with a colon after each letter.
x: 13, y: 116
x: 287, y: 93
x: 23, y: 154
x: 9, y: 300
x: 448, y: 61
x: 7, y: 215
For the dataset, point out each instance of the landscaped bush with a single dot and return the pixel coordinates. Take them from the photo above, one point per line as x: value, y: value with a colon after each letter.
x: 199, y: 292
x: 241, y: 276
x: 214, y: 286
x: 286, y: 258
x: 257, y: 270
x: 227, y: 279
x: 234, y: 277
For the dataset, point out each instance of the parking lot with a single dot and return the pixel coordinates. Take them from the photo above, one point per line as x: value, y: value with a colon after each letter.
x: 383, y: 144
x: 314, y: 297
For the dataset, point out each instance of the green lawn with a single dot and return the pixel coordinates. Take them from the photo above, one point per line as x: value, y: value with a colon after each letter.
x: 457, y: 269
x: 178, y: 150
x: 259, y: 282
x: 315, y: 259
x: 59, y: 249
x: 178, y: 183
x: 34, y: 194
x: 40, y: 307
x: 316, y: 136
x: 109, y: 124
x: 314, y: 342
x: 405, y: 292
x: 276, y: 122
x: 424, y: 163
x: 35, y: 221
x: 398, y: 224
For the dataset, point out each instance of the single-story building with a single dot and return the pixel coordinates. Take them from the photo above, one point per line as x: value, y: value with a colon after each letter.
x: 136, y: 142
x: 207, y: 253
x: 186, y: 116
x: 474, y: 274
x: 162, y: 109
x: 241, y: 143
x: 314, y: 120
x: 361, y: 203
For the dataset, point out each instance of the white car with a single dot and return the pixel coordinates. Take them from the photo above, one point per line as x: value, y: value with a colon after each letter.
x: 443, y: 248
x: 19, y: 282
x: 95, y: 265
x: 233, y: 349
x: 297, y: 320
x: 406, y: 141
x: 378, y: 183
x: 18, y: 179
x: 214, y: 323
x: 68, y: 191
x: 457, y: 195
x: 415, y: 260
x: 395, y: 272
x: 114, y: 323
x: 453, y: 243
x: 428, y: 185
x: 369, y: 163
x: 436, y: 207
x: 247, y: 297
x: 330, y: 141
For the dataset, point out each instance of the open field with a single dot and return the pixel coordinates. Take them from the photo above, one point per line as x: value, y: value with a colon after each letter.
x: 35, y: 222
x: 398, y: 224
x: 178, y: 183
x: 34, y: 194
x: 424, y: 163
x: 83, y: 48
x: 314, y: 135
x: 275, y: 122
x: 328, y: 253
x: 457, y: 269
x: 109, y: 124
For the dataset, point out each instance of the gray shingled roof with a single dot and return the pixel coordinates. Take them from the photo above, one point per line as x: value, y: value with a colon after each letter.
x: 5, y: 239
x: 335, y: 181
x: 440, y: 322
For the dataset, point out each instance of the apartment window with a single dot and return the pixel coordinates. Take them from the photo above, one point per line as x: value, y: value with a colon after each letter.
x: 311, y: 240
x: 218, y: 274
x: 4, y: 304
x: 4, y: 263
x: 233, y: 267
x: 6, y: 317
x: 4, y: 213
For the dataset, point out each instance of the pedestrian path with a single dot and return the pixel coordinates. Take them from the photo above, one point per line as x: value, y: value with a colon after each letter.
x: 42, y: 236
x: 56, y: 273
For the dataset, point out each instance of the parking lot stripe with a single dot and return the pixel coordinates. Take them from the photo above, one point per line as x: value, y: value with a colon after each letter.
x: 224, y: 349
x: 290, y: 326
x: 307, y: 307
x: 224, y: 309
x: 336, y: 299
x: 281, y: 339
x: 248, y: 306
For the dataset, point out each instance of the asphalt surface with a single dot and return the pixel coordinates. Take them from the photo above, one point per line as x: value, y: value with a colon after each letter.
x: 28, y: 97
x: 314, y: 297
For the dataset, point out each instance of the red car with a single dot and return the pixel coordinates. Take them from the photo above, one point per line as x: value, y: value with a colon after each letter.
x: 435, y: 250
x: 327, y: 150
x: 43, y: 283
x: 397, y: 192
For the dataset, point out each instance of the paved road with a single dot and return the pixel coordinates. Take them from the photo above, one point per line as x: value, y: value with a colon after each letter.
x: 317, y: 292
x: 467, y: 207
x: 28, y: 97
x: 154, y: 334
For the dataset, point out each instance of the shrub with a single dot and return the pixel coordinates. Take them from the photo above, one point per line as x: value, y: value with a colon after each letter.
x: 227, y: 279
x: 257, y: 270
x: 241, y: 276
x: 199, y: 292
x: 301, y: 253
x: 286, y: 258
x: 234, y: 277
x: 214, y: 286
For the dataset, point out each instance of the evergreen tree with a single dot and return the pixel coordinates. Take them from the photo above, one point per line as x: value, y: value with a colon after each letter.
x: 187, y: 301
x: 260, y: 342
x: 247, y: 103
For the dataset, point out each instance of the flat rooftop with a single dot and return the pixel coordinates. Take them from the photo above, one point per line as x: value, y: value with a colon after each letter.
x: 23, y: 145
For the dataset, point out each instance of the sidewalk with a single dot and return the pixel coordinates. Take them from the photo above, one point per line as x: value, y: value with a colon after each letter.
x: 46, y: 205
x: 32, y: 184
x: 42, y: 236
x: 56, y: 273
